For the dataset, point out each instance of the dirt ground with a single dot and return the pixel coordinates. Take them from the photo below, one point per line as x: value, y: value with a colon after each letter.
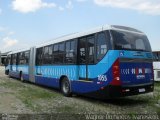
x: 17, y: 97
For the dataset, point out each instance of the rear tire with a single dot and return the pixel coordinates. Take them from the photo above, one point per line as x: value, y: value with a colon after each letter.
x: 7, y: 72
x: 65, y: 87
x: 21, y: 77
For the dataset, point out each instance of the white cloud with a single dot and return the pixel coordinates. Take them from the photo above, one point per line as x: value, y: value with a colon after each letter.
x: 69, y: 5
x: 9, y: 42
x: 26, y: 6
x: 146, y: 6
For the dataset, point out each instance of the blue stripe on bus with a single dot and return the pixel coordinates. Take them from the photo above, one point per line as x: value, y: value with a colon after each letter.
x: 46, y: 81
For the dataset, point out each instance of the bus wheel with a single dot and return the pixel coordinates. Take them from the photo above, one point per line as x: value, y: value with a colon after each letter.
x: 21, y: 77
x: 65, y: 87
x: 7, y: 72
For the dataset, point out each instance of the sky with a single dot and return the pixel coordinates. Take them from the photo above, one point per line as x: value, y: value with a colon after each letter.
x: 26, y: 23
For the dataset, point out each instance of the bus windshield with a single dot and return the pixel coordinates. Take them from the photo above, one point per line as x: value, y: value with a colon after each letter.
x: 130, y: 41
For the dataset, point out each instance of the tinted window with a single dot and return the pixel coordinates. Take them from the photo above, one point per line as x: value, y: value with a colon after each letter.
x: 8, y: 60
x: 101, y: 45
x: 91, y: 49
x: 61, y: 52
x: 46, y: 55
x: 130, y: 41
x: 50, y: 54
x: 86, y: 50
x: 55, y: 54
x: 21, y: 58
x: 39, y: 56
x: 50, y: 49
x: 55, y: 48
x: 58, y: 53
x: 82, y: 50
x: 46, y: 51
x: 70, y: 52
x: 61, y: 47
x: 14, y: 59
x: 27, y: 57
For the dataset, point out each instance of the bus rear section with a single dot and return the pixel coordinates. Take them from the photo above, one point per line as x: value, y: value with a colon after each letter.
x: 132, y: 71
x: 131, y: 77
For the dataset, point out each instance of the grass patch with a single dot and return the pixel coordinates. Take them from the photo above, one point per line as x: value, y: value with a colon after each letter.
x: 29, y: 96
x: 11, y: 84
x: 65, y: 109
x: 37, y: 93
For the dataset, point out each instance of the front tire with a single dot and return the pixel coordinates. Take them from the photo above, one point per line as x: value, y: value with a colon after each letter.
x: 65, y: 87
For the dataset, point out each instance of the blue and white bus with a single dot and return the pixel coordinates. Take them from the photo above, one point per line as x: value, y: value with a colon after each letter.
x: 106, y: 62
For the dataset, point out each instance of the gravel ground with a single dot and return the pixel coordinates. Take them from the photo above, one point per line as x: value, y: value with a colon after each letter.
x: 17, y: 97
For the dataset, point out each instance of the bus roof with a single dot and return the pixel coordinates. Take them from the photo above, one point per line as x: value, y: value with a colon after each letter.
x: 91, y: 31
x: 20, y: 50
x: 81, y: 34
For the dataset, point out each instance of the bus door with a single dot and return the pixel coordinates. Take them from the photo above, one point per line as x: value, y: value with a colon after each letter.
x: 85, y: 56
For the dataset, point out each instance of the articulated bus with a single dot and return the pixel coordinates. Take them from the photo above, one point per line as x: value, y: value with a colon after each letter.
x: 106, y: 62
x: 156, y: 65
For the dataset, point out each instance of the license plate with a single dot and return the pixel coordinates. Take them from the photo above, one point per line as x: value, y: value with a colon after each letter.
x: 142, y: 90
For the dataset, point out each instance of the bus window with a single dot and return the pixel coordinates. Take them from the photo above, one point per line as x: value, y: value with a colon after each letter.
x: 21, y: 58
x: 70, y: 52
x: 140, y: 44
x: 58, y: 53
x: 50, y: 54
x: 82, y: 50
x: 61, y: 52
x: 55, y: 54
x: 122, y: 40
x: 39, y: 56
x: 27, y: 57
x: 86, y: 50
x: 45, y: 55
x: 14, y: 59
x: 101, y: 46
x: 8, y: 60
x: 91, y: 49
